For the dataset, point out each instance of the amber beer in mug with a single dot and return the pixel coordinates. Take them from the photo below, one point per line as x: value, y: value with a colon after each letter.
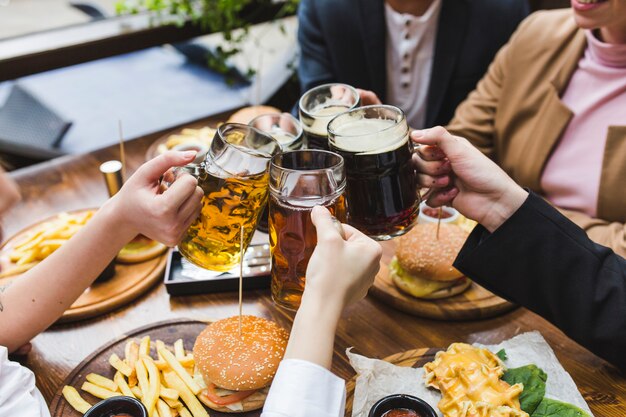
x: 235, y: 179
x: 382, y: 195
x: 319, y: 105
x: 299, y: 181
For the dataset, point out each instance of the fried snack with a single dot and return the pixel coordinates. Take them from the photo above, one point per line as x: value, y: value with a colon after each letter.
x: 191, y: 401
x: 101, y: 381
x: 123, y: 385
x: 75, y: 400
x: 99, y: 392
x: 154, y: 385
x: 469, y: 380
x: 120, y: 365
x: 187, y: 136
x: 180, y: 371
x: 44, y: 240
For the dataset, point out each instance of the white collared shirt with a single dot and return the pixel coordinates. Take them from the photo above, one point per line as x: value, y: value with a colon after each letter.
x: 304, y: 389
x: 18, y: 394
x: 410, y: 51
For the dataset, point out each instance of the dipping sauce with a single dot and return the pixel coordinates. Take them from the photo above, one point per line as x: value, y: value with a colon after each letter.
x: 434, y: 212
x: 401, y: 412
x: 121, y: 415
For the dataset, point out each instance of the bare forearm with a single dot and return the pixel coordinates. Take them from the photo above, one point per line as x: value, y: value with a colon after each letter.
x: 313, y: 334
x: 41, y: 295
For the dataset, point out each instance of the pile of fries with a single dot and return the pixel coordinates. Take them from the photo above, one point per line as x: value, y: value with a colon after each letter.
x: 203, y: 136
x: 44, y: 240
x: 167, y: 386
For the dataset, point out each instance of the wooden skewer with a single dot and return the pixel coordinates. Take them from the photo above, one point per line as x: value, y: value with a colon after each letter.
x: 439, y: 214
x: 241, y: 253
x: 122, y: 154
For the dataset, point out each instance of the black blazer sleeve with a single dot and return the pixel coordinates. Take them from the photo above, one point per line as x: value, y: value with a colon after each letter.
x: 544, y: 262
x: 315, y: 64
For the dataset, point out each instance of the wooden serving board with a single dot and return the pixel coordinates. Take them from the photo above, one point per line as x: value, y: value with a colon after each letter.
x: 98, y: 362
x: 415, y: 358
x: 129, y: 282
x: 474, y: 303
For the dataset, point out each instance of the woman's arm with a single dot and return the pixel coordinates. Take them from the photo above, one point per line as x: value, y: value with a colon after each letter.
x: 304, y: 386
x: 39, y: 297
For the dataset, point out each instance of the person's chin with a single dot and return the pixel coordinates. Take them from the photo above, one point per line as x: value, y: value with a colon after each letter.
x: 590, y: 14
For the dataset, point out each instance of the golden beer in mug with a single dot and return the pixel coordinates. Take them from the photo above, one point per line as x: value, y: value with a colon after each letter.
x: 319, y: 105
x: 299, y: 181
x: 234, y: 178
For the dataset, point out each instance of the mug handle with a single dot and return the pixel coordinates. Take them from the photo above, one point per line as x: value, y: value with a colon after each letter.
x: 426, y: 195
x: 172, y: 174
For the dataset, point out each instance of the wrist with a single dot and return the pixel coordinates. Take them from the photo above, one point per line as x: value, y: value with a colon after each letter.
x: 323, y: 310
x: 112, y: 216
x: 504, y: 207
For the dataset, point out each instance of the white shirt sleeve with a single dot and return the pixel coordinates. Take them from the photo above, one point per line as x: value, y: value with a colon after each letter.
x: 18, y: 394
x: 304, y: 389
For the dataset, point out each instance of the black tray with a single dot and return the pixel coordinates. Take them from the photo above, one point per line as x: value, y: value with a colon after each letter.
x: 184, y: 278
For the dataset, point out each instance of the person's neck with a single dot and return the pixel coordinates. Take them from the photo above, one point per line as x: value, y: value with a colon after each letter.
x: 612, y: 35
x: 414, y: 7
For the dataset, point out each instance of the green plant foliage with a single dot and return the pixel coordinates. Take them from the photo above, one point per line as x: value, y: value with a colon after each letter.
x: 534, y: 381
x: 553, y: 408
x: 223, y: 16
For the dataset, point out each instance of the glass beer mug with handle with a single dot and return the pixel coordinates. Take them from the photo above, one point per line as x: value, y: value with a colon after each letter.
x: 382, y: 193
x: 319, y: 105
x: 299, y: 181
x: 234, y: 177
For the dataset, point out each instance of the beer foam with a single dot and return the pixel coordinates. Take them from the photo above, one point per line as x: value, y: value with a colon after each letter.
x: 370, y: 136
x: 321, y: 116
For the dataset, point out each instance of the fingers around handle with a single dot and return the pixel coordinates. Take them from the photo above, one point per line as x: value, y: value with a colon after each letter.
x: 153, y: 170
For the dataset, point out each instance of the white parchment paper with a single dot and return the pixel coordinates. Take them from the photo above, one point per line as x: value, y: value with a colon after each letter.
x: 377, y: 379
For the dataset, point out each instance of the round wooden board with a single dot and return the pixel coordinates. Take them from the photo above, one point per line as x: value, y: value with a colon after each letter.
x: 98, y: 362
x: 411, y: 358
x: 129, y: 282
x: 474, y: 303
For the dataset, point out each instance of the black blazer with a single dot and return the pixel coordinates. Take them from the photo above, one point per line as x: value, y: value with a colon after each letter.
x: 544, y: 262
x: 344, y: 41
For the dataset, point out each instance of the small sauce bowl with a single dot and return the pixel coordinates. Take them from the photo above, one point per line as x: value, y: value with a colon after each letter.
x: 429, y: 215
x: 396, y: 401
x: 118, y: 405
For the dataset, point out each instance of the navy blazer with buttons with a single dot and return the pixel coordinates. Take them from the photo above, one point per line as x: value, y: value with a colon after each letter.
x: 344, y: 41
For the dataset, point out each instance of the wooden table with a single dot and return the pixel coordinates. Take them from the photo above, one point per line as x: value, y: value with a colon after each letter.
x: 371, y: 327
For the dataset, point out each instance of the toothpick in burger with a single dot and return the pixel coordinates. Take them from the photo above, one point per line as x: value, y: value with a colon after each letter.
x: 238, y: 370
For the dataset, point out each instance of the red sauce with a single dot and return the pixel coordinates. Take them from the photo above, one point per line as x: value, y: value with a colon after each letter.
x: 401, y: 412
x: 433, y: 212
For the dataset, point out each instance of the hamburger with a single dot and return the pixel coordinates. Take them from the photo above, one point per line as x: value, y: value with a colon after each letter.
x: 423, y: 267
x: 246, y: 114
x: 238, y: 370
x: 140, y: 249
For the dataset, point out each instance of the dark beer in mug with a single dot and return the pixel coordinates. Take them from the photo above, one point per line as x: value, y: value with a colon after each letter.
x: 382, y: 195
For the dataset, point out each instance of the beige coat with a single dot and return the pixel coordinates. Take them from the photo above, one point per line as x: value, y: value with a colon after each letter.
x: 516, y: 117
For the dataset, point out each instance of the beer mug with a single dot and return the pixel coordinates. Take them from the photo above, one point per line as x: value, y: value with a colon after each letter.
x: 234, y: 177
x: 299, y: 181
x: 287, y: 131
x: 283, y: 127
x: 382, y: 193
x: 319, y: 105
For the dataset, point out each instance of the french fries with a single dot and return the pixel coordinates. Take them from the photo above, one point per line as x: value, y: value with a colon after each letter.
x: 99, y: 392
x: 195, y: 407
x: 165, y: 385
x: 180, y: 371
x: 44, y: 240
x: 120, y: 365
x: 76, y: 401
x: 101, y: 381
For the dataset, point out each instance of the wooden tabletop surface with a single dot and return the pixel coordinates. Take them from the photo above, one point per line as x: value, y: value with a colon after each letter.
x: 371, y: 327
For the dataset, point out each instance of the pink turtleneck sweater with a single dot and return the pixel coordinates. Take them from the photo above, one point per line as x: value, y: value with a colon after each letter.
x: 596, y: 94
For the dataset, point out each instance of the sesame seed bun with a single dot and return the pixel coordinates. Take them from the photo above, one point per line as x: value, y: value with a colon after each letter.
x: 246, y: 114
x: 239, y: 363
x: 420, y: 253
